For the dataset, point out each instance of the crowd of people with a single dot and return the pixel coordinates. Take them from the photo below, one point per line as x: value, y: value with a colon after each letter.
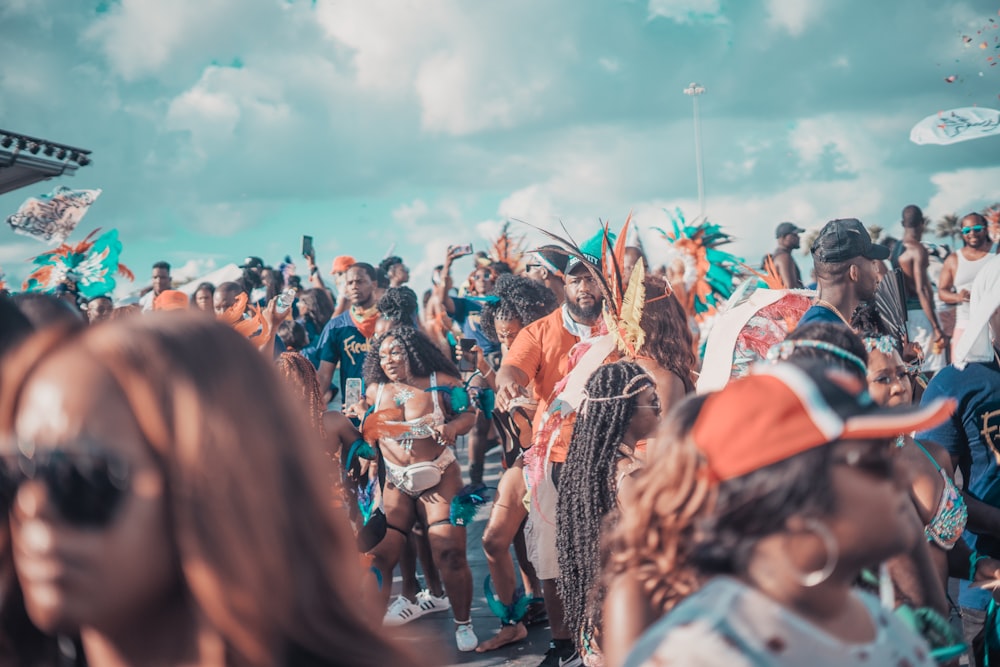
x: 236, y: 475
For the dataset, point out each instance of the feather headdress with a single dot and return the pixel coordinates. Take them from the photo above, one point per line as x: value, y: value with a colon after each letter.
x: 714, y: 271
x: 249, y: 322
x: 623, y: 304
x: 91, y: 264
x: 890, y: 303
x: 508, y: 249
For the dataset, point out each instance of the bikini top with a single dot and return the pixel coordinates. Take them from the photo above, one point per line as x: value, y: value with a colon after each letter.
x: 948, y: 523
x: 389, y: 423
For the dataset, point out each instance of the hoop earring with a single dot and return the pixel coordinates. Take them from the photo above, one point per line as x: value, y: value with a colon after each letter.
x: 817, y: 577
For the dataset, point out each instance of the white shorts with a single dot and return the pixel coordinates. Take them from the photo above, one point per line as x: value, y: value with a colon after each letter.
x: 919, y: 329
x: 540, y: 531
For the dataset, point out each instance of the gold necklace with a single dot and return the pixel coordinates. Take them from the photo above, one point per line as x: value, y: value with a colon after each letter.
x: 830, y: 306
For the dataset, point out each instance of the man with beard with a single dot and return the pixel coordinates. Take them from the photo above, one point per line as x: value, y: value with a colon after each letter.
x: 848, y: 267
x: 539, y: 358
x: 344, y: 339
x: 961, y: 267
x: 788, y: 240
x: 922, y: 323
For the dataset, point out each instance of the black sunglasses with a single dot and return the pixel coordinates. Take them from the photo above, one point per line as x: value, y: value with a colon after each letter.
x: 86, y: 487
x: 512, y: 435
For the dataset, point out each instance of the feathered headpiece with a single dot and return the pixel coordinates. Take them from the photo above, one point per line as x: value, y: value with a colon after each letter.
x: 91, y: 264
x: 249, y: 322
x: 508, y: 249
x: 710, y: 273
x: 623, y: 304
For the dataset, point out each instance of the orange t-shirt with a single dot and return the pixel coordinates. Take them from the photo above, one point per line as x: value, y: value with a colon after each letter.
x: 541, y: 351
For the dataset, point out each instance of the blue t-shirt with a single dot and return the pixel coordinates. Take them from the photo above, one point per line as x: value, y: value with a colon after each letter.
x: 467, y: 316
x: 818, y: 313
x: 972, y: 435
x: 341, y: 344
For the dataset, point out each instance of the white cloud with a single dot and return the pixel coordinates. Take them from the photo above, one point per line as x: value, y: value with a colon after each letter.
x: 685, y: 11
x: 963, y: 190
x: 856, y: 142
x: 793, y: 16
x: 611, y: 65
x: 214, y: 106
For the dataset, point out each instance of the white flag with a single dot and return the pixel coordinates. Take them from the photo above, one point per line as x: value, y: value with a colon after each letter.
x: 949, y: 127
x: 54, y: 216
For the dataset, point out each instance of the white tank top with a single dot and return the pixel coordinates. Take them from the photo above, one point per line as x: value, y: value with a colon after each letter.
x: 964, y: 275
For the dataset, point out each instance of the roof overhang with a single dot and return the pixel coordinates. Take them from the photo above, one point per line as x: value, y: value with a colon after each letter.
x: 26, y: 160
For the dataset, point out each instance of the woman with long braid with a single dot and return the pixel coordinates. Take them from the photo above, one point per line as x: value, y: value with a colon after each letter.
x: 619, y: 409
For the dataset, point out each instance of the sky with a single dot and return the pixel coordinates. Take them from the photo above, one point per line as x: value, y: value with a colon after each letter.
x: 227, y: 128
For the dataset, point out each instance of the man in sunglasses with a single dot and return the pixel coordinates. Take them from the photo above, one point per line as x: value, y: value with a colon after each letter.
x: 547, y: 265
x: 961, y: 268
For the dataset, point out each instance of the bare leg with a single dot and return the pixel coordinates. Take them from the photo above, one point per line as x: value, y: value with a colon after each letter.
x: 432, y: 578
x: 477, y: 449
x: 408, y: 569
x: 399, y: 512
x: 554, y: 607
x: 448, y: 542
x: 505, y: 521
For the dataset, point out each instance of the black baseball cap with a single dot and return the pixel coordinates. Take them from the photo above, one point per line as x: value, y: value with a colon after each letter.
x: 845, y: 239
x: 252, y: 263
x: 787, y: 228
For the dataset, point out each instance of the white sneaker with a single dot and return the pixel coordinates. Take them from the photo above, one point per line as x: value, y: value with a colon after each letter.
x: 465, y: 638
x: 430, y: 603
x: 401, y: 611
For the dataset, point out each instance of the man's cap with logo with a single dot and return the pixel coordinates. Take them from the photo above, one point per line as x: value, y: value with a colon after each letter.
x: 787, y: 228
x: 782, y: 410
x: 843, y: 240
x: 591, y: 249
x: 252, y: 263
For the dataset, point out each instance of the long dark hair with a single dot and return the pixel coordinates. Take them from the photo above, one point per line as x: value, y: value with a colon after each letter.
x: 668, y: 338
x: 422, y: 354
x: 588, y: 487
x: 247, y: 487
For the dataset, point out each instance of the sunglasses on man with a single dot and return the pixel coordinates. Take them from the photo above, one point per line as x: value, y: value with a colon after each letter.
x: 86, y: 488
x: 974, y: 228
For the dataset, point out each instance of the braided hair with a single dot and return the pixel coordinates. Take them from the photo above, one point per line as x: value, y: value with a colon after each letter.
x: 588, y: 486
x: 301, y: 378
x: 521, y: 299
x: 423, y: 356
x: 398, y: 305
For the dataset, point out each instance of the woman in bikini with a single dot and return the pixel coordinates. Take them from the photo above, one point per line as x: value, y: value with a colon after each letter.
x: 413, y: 421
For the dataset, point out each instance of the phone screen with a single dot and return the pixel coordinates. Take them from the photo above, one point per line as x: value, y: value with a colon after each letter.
x: 353, y: 388
x: 467, y: 358
x: 307, y: 246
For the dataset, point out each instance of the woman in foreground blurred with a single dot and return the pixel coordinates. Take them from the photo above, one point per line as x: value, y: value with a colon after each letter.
x: 169, y: 504
x: 749, y: 533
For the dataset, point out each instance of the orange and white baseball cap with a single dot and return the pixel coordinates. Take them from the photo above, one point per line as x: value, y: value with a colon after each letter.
x: 782, y: 410
x: 341, y: 263
x: 171, y: 299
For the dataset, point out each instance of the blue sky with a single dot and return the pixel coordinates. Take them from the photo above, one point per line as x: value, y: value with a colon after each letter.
x: 222, y: 128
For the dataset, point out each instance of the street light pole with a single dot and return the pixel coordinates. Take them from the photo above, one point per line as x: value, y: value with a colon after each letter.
x: 695, y: 90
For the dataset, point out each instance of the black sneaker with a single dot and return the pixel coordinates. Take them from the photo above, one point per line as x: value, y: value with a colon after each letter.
x: 561, y: 657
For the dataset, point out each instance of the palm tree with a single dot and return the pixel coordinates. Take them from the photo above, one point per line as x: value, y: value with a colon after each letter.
x: 948, y: 227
